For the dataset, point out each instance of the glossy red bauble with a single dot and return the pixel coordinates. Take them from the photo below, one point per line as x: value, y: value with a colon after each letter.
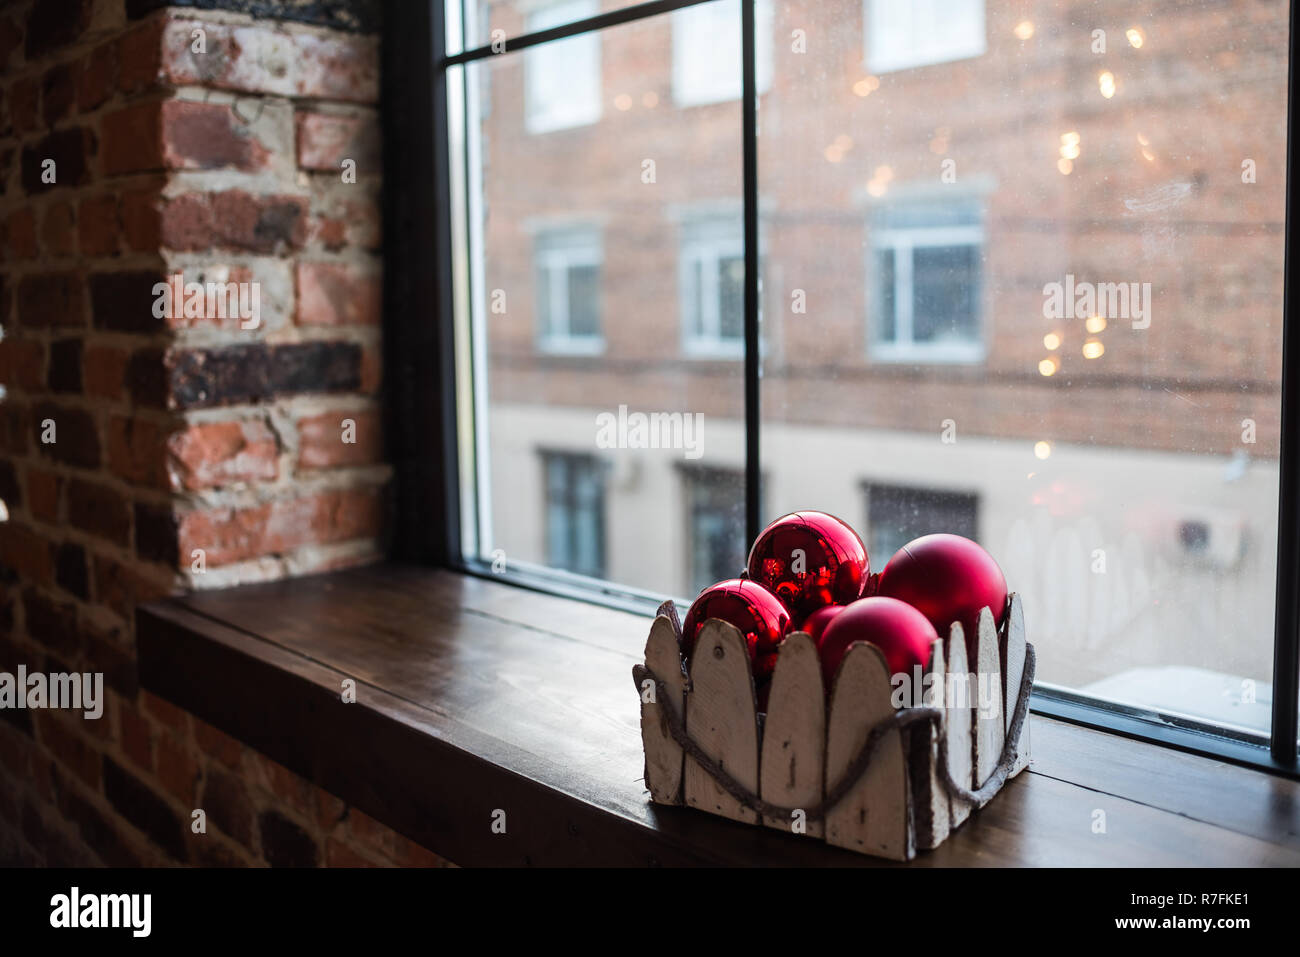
x: 810, y: 559
x: 947, y: 578
x: 902, y: 633
x: 816, y: 623
x: 759, y: 614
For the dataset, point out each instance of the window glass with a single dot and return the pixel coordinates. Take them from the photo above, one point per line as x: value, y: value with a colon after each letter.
x: 563, y: 87
x: 896, y: 514
x: 913, y: 33
x: 706, y: 51
x: 568, y: 289
x: 716, y: 515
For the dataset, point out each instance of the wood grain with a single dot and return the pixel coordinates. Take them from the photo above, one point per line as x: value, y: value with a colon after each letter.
x: 663, y: 755
x: 1014, y: 653
x: 873, y: 816
x: 931, y: 817
x: 792, y: 764
x: 960, y: 712
x: 721, y: 719
x: 475, y: 695
x: 990, y: 723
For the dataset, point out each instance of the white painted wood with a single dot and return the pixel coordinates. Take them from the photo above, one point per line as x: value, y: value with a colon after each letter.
x: 960, y: 710
x: 791, y: 768
x: 872, y: 817
x: 663, y: 755
x: 1015, y: 628
x: 930, y: 808
x: 721, y: 719
x: 990, y: 722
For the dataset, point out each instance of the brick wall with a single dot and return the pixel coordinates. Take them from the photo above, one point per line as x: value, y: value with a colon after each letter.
x: 187, y: 451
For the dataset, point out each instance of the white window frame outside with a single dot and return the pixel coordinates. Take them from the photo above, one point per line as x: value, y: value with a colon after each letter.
x: 902, y: 348
x: 547, y: 57
x: 711, y: 22
x: 707, y: 242
x: 556, y: 252
x: 884, y: 54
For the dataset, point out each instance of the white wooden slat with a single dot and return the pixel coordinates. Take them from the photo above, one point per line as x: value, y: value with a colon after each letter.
x: 931, y: 811
x: 990, y: 722
x: 663, y: 755
x: 960, y: 710
x: 794, y: 735
x: 721, y: 719
x: 1015, y: 628
x: 872, y: 818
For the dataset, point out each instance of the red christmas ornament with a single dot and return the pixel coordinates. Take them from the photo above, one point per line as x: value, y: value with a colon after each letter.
x: 947, y: 578
x: 759, y: 615
x: 810, y: 559
x: 900, y: 631
x: 816, y: 623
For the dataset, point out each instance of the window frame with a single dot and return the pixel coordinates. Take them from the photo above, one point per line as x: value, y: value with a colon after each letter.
x: 436, y: 528
x: 560, y: 249
x: 909, y: 239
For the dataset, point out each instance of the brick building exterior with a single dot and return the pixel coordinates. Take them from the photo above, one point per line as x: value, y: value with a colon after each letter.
x: 187, y: 452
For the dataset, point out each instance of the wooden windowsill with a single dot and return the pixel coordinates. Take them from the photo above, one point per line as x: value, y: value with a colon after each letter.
x: 475, y: 696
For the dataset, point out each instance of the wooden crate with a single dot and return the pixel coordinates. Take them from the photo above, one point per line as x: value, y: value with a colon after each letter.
x: 854, y: 771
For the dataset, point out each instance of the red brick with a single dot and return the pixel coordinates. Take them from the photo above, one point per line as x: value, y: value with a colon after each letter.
x: 135, y: 450
x: 14, y: 425
x: 368, y: 832
x: 51, y: 299
x: 140, y: 213
x: 231, y: 535
x: 96, y: 76
x: 264, y: 224
x: 261, y: 58
x: 164, y: 712
x: 99, y: 510
x: 208, y: 136
x: 177, y: 769
x: 43, y: 488
x: 337, y: 294
x: 288, y: 787
x: 325, y: 140
x: 59, y: 230
x: 26, y: 552
x: 182, y: 222
x: 11, y: 39
x: 140, y: 54
x: 136, y: 736
x: 321, y: 445
x: 24, y: 104
x: 372, y: 370
x: 103, y: 371
x: 98, y: 226
x: 329, y: 810
x: 338, y: 854
x: 132, y: 139
x: 68, y: 747
x: 222, y: 453
x: 58, y: 93
x: 22, y: 363
x: 21, y: 232
x: 410, y: 854
x: 217, y: 744
x: 121, y: 587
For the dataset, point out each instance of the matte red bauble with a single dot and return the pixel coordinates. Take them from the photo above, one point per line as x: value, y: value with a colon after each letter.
x: 810, y: 559
x: 902, y: 633
x: 760, y: 616
x: 816, y: 623
x: 947, y: 578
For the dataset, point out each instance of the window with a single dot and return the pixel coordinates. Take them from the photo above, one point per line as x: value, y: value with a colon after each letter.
x: 1070, y: 348
x: 568, y: 290
x: 896, y: 514
x: 715, y: 501
x: 563, y: 78
x: 575, y: 513
x: 927, y: 283
x: 911, y: 33
x: 712, y: 279
x: 706, y: 51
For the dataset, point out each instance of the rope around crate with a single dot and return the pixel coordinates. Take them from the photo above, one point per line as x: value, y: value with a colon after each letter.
x: 899, y: 720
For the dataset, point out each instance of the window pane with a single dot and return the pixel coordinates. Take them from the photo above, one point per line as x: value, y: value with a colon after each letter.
x: 562, y: 85
x: 706, y: 51
x: 612, y: 206
x: 731, y: 297
x: 1115, y: 248
x: 945, y: 293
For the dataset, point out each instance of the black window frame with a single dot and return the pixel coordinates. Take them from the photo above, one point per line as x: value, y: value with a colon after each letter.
x: 420, y: 375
